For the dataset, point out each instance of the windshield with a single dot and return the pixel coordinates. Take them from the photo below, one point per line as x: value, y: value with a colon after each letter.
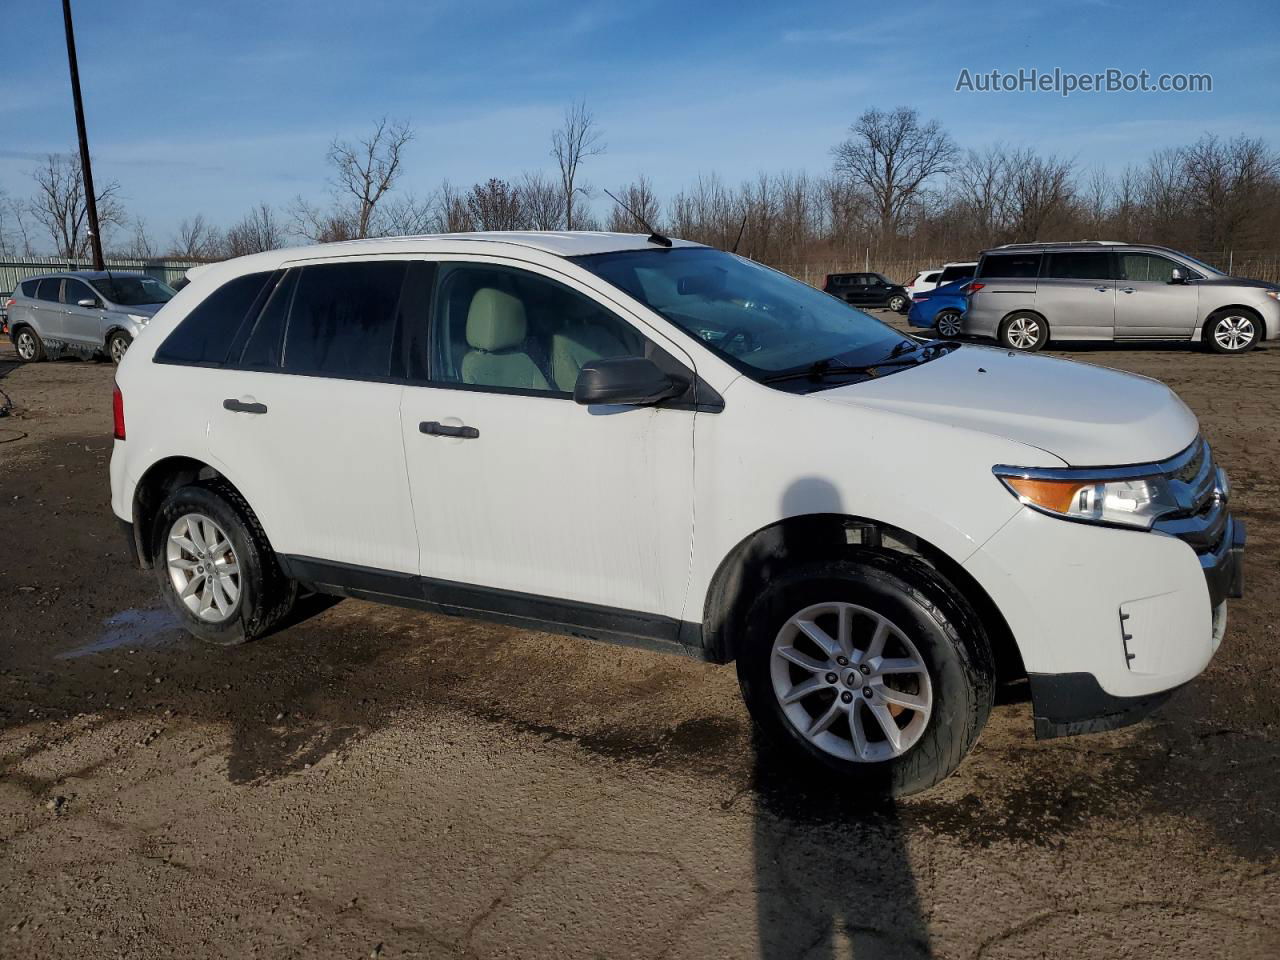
x: 133, y: 291
x: 761, y: 321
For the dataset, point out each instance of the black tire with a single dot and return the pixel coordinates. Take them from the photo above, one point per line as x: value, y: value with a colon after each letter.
x: 950, y: 319
x: 1017, y: 325
x: 265, y: 596
x: 1225, y: 327
x: 29, y: 345
x: 897, y: 303
x: 945, y: 631
x: 117, y: 345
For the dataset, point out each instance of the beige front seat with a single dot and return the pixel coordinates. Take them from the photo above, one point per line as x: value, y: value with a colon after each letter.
x: 495, y: 333
x: 578, y: 343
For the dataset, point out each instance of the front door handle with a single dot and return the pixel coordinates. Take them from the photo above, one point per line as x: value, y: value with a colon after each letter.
x: 242, y: 406
x: 1102, y: 289
x: 436, y: 429
x: 1126, y: 289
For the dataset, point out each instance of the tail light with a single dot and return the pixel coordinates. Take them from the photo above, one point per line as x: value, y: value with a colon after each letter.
x: 9, y: 303
x: 117, y: 412
x: 973, y: 288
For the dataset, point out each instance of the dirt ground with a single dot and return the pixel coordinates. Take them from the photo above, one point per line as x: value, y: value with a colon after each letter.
x: 370, y: 782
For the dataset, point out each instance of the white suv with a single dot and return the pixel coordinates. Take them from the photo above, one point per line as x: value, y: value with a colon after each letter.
x: 658, y: 443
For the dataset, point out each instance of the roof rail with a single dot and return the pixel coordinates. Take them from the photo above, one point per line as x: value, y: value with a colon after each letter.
x: 1063, y: 243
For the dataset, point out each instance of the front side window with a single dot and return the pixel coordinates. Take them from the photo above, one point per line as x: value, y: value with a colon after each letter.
x: 49, y: 289
x: 761, y: 321
x: 73, y: 291
x: 504, y: 328
x: 1010, y: 266
x: 1079, y: 265
x: 132, y: 290
x: 342, y: 319
x: 1147, y: 267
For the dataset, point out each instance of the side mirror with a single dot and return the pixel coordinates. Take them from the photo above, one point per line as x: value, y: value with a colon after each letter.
x: 1177, y: 276
x: 635, y: 381
x: 88, y: 302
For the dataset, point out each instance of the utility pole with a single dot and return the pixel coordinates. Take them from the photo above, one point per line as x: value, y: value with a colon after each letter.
x: 90, y: 199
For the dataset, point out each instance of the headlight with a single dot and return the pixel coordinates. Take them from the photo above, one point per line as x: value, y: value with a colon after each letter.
x: 139, y: 318
x: 1136, y: 502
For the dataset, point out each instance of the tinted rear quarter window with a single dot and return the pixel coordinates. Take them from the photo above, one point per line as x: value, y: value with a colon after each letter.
x: 1010, y: 265
x: 205, y: 334
x: 1079, y: 265
x: 29, y: 288
x: 342, y: 322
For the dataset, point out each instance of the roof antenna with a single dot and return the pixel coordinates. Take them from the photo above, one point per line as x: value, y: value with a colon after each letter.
x: 740, y: 229
x: 654, y: 235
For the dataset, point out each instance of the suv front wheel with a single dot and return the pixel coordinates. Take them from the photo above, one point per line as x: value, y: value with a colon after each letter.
x: 1231, y: 331
x: 880, y: 674
x: 215, y: 568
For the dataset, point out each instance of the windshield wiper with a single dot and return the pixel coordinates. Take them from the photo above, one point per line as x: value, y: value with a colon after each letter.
x: 826, y: 368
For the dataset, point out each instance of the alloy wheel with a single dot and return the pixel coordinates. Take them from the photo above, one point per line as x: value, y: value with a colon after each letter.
x: 1023, y: 333
x: 203, y: 567
x: 1233, y: 332
x: 948, y: 324
x: 117, y: 348
x: 26, y: 345
x: 851, y: 682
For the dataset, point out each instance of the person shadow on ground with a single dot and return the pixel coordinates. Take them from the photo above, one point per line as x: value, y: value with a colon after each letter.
x: 833, y: 876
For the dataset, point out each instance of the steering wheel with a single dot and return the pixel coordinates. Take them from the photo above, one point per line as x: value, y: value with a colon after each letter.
x: 739, y: 333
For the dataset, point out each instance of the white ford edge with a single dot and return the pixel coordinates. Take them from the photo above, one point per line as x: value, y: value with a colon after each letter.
x: 658, y: 443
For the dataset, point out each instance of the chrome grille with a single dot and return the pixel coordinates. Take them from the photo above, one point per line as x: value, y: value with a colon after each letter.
x: 1203, y: 520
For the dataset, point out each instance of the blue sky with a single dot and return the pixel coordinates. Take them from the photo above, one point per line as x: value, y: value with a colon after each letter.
x: 212, y: 106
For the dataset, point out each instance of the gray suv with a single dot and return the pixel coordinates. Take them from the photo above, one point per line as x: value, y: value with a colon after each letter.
x: 1026, y: 294
x: 85, y: 313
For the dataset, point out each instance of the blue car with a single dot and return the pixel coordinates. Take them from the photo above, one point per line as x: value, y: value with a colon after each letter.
x: 941, y: 308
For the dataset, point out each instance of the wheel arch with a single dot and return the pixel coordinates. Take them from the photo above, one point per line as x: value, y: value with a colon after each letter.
x: 160, y: 479
x: 1253, y: 312
x: 761, y: 556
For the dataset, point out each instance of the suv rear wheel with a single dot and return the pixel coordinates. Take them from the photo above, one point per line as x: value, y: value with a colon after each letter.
x: 29, y: 346
x: 882, y: 675
x: 215, y: 568
x: 1231, y: 331
x: 1024, y: 331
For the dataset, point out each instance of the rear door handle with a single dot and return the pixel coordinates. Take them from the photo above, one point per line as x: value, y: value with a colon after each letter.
x: 1126, y: 289
x: 1102, y: 289
x: 436, y: 429
x: 242, y: 406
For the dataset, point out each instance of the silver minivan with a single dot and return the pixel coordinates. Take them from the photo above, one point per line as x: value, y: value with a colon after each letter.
x: 84, y: 313
x: 1026, y: 294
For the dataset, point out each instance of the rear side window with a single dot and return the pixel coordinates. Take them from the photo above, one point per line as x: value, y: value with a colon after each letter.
x: 205, y: 334
x: 1079, y: 265
x: 29, y: 288
x: 262, y: 350
x: 49, y: 289
x: 1011, y: 265
x: 342, y: 322
x: 951, y: 274
x: 931, y: 277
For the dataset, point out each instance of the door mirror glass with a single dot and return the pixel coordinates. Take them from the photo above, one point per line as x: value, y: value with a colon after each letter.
x: 1177, y: 276
x: 635, y: 381
x: 88, y: 302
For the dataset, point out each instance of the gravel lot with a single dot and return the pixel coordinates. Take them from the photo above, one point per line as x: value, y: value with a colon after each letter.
x: 373, y: 782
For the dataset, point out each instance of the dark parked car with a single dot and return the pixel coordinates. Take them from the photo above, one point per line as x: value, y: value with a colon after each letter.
x: 868, y: 290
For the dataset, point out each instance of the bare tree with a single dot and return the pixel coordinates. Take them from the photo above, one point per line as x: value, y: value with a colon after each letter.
x: 1226, y: 182
x: 259, y: 230
x: 574, y: 141
x: 541, y: 202
x: 140, y: 246
x: 494, y: 205
x: 369, y: 168
x: 640, y: 198
x: 406, y: 217
x: 196, y: 239
x: 319, y: 225
x: 1041, y: 194
x: 59, y: 204
x: 454, y: 215
x: 892, y: 156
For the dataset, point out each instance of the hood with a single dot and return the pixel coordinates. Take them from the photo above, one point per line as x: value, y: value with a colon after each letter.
x: 1236, y: 282
x: 1082, y: 414
x: 140, y: 309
